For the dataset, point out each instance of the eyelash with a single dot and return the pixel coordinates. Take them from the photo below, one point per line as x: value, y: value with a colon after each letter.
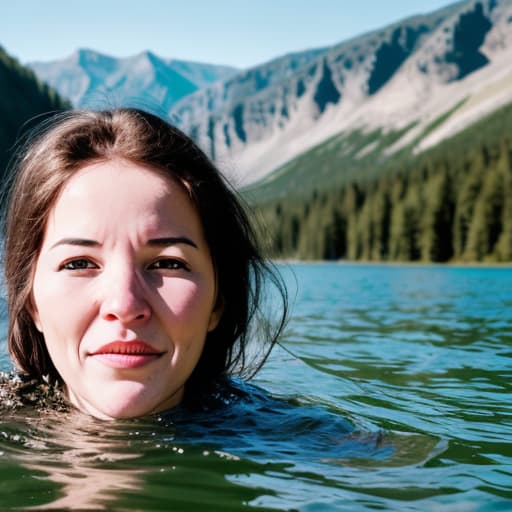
x: 172, y: 264
x: 175, y: 264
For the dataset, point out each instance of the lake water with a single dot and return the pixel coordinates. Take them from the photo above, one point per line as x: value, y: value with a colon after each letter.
x: 392, y: 390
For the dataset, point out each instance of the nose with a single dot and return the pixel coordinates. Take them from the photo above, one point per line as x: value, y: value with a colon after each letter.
x: 124, y: 297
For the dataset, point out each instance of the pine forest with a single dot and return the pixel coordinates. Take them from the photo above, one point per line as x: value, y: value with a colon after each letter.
x: 452, y: 203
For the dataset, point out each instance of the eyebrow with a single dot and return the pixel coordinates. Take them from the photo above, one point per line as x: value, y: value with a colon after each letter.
x: 83, y: 242
x: 171, y: 240
x: 155, y: 242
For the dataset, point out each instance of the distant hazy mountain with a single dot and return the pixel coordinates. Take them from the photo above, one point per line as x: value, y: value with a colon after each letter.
x: 88, y: 78
x: 409, y: 76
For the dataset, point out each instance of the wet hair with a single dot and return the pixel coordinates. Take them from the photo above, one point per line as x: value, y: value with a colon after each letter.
x: 71, y: 140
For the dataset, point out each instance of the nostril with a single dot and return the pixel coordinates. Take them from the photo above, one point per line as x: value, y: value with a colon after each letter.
x: 124, y: 299
x: 126, y: 313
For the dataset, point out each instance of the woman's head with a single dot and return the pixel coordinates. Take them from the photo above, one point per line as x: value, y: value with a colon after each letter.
x: 138, y: 170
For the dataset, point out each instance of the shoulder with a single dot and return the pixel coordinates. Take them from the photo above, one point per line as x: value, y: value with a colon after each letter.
x: 238, y: 405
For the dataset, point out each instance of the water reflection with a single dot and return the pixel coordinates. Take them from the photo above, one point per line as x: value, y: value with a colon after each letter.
x: 71, y: 461
x: 79, y: 459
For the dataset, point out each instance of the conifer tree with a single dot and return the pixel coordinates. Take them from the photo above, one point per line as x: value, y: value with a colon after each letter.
x: 504, y: 245
x: 352, y: 201
x: 437, y: 219
x: 466, y: 199
x: 364, y: 229
x: 397, y: 250
x: 486, y: 223
x: 381, y: 221
x: 412, y: 223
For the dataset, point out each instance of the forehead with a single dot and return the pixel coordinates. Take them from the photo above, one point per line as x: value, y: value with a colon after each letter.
x: 118, y: 175
x: 125, y: 192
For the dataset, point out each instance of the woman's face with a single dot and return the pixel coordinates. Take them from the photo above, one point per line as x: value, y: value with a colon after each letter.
x: 124, y: 289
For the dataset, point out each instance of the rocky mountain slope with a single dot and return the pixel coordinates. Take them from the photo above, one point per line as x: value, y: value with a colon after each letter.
x: 88, y: 78
x: 427, y: 76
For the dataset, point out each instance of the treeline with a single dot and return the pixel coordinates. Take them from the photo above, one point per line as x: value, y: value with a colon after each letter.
x: 450, y: 206
x: 22, y: 99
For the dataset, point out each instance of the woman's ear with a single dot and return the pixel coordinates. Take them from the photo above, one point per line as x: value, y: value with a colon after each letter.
x: 216, y: 314
x: 34, y: 313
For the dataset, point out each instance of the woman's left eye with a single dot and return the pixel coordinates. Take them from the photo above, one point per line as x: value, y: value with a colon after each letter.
x: 78, y: 264
x: 168, y: 264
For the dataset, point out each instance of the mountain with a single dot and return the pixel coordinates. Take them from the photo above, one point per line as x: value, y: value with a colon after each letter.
x: 408, y: 86
x: 420, y: 80
x: 88, y: 78
x: 24, y: 100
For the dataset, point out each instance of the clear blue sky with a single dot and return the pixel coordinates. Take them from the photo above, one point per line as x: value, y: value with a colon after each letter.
x: 240, y: 33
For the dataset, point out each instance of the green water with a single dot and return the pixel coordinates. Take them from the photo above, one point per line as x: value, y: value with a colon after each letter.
x: 391, y: 391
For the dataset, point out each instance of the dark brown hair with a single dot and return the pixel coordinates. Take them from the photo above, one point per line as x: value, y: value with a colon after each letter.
x: 71, y: 140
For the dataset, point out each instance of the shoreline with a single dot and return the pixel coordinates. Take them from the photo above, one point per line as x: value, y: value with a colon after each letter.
x: 416, y: 264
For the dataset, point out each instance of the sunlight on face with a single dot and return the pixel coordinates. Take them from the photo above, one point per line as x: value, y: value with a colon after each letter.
x: 124, y: 289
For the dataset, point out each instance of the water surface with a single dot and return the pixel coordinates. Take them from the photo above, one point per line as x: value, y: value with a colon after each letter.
x: 391, y: 390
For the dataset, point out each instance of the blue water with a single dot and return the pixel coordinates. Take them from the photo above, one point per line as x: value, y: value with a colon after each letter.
x: 391, y: 390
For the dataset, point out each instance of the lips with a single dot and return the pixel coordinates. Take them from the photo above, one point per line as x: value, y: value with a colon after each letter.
x: 126, y: 354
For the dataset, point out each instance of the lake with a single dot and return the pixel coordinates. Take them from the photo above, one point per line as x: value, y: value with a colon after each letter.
x: 391, y: 390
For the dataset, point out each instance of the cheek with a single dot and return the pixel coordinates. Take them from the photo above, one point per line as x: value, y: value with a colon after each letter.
x: 190, y: 302
x: 60, y: 312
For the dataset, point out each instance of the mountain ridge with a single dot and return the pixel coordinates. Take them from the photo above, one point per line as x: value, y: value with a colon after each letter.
x: 407, y: 74
x: 419, y: 91
x: 87, y: 77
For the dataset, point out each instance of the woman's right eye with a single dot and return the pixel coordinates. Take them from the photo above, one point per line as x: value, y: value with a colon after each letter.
x: 78, y: 264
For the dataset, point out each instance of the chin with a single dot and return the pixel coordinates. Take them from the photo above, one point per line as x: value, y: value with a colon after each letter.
x: 119, y: 411
x: 122, y: 401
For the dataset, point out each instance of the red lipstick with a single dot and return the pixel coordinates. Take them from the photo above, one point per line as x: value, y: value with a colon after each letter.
x: 126, y: 354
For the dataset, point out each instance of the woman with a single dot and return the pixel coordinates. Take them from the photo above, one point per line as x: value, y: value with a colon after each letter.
x: 132, y: 271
